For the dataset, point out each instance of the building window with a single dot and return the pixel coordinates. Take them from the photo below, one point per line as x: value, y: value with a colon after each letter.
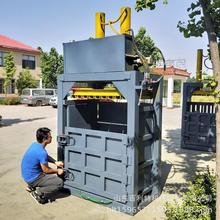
x: 10, y: 89
x: 2, y: 56
x: 1, y: 59
x: 28, y: 62
x: 177, y: 86
x: 165, y: 86
x: 1, y: 86
x: 37, y: 83
x: 12, y: 86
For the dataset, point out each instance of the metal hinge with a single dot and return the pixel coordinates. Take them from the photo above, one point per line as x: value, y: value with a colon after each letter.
x: 127, y: 160
x: 126, y: 180
x: 130, y: 142
x: 129, y: 179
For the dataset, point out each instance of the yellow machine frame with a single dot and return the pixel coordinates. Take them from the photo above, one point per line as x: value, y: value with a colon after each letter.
x: 89, y: 93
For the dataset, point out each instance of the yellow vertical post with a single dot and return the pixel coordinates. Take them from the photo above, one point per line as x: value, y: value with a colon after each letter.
x: 199, y: 64
x: 100, y: 25
x: 125, y: 20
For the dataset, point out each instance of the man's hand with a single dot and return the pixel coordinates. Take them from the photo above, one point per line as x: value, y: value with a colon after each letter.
x: 60, y: 171
x: 59, y: 163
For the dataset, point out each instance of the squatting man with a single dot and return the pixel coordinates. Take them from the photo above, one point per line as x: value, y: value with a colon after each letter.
x: 42, y: 180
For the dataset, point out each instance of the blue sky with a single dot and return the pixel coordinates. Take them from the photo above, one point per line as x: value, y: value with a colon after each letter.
x: 50, y: 23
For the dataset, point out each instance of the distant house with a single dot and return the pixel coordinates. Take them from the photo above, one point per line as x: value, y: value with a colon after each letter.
x: 171, y: 76
x: 24, y: 56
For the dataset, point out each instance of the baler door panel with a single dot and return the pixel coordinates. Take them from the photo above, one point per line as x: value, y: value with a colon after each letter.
x: 98, y: 161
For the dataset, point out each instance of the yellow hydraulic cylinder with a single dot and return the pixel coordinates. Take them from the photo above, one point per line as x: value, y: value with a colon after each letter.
x: 199, y: 64
x: 100, y: 25
x: 125, y: 20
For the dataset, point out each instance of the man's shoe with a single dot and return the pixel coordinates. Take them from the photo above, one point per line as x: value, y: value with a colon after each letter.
x: 40, y: 199
x: 30, y: 189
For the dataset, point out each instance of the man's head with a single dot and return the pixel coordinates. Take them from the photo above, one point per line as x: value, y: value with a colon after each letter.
x: 43, y: 136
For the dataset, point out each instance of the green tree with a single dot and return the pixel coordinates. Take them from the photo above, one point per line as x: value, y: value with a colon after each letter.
x: 149, y: 4
x: 204, y: 17
x: 9, y: 70
x: 25, y: 80
x: 146, y: 45
x: 51, y: 67
x: 191, y: 79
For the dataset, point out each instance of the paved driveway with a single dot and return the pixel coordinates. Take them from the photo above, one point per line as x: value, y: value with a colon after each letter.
x: 18, y: 131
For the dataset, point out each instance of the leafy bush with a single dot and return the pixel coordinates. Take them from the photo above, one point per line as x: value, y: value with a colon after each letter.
x: 10, y: 101
x: 198, y: 202
x: 25, y: 80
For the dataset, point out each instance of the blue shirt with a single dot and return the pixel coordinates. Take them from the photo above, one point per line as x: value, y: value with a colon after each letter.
x: 33, y: 157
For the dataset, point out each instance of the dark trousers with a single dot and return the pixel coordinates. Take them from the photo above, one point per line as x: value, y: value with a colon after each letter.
x: 47, y: 184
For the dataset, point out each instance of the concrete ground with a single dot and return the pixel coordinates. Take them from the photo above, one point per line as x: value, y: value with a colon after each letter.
x: 18, y: 131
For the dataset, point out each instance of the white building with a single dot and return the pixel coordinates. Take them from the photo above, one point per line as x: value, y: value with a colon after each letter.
x: 24, y: 55
x: 171, y: 74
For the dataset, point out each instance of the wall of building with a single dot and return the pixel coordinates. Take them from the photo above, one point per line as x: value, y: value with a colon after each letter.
x: 18, y: 62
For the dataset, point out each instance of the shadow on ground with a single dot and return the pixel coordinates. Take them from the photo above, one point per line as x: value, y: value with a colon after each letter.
x: 168, y: 172
x: 189, y: 161
x: 9, y: 122
x: 63, y: 193
x: 165, y: 170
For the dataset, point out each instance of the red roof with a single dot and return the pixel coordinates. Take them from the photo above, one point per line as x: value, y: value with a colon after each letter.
x: 8, y: 43
x: 171, y: 70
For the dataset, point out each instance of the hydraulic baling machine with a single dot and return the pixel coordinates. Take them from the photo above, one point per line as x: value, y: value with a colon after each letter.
x: 198, y: 116
x: 109, y: 120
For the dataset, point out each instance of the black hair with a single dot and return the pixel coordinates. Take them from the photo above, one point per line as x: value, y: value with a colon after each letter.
x: 42, y: 134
